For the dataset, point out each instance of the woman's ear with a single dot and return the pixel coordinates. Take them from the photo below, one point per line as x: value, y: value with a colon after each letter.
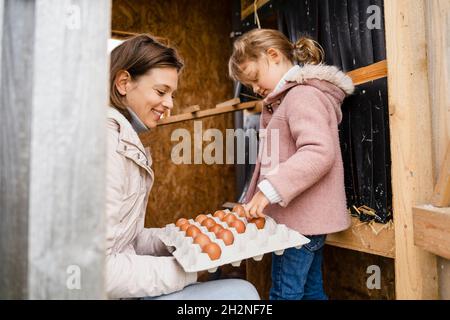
x: 122, y: 79
x: 274, y: 55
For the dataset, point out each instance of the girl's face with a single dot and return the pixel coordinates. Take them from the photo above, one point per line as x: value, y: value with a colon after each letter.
x: 264, y: 74
x: 152, y: 94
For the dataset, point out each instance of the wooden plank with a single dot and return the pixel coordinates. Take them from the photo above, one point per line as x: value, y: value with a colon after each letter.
x: 410, y: 127
x: 53, y: 150
x: 191, y: 109
x: 251, y: 8
x: 227, y: 103
x: 438, y: 53
x: 207, y: 113
x: 432, y: 229
x: 441, y: 195
x: 370, y: 73
x: 373, y: 238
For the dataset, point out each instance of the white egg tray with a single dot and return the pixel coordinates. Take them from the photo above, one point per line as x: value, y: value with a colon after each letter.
x: 253, y: 243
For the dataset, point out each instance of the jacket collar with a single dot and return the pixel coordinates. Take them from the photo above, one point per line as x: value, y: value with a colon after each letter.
x: 129, y: 140
x: 308, y: 72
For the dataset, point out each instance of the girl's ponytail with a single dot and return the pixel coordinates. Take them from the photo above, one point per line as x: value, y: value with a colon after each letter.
x: 308, y: 51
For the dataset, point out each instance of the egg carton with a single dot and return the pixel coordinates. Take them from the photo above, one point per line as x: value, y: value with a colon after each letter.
x: 253, y: 243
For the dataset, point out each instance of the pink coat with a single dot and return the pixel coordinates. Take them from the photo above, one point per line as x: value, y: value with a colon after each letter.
x: 300, y: 153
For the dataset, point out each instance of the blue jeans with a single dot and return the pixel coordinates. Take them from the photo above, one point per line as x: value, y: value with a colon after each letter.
x: 297, y: 274
x: 225, y: 289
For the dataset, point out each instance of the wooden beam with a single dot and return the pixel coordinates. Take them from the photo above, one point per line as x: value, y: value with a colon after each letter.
x: 227, y: 103
x: 192, y: 109
x: 370, y: 73
x: 432, y: 229
x: 373, y: 238
x: 207, y: 113
x: 441, y: 196
x: 251, y: 8
x: 410, y: 128
x: 52, y: 151
x: 437, y: 17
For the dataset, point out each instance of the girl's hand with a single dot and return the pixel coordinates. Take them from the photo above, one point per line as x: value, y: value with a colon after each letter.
x: 255, y: 207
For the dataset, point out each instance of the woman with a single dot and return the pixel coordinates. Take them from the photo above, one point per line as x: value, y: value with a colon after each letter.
x: 143, y: 79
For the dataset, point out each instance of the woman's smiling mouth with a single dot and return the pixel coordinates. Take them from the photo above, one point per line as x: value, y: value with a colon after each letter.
x: 157, y: 114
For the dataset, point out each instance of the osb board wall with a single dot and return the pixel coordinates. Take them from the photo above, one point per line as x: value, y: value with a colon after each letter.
x: 200, y: 31
x: 344, y: 272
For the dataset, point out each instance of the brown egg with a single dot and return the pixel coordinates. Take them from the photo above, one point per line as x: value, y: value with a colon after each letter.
x: 200, y: 218
x: 229, y: 218
x: 260, y: 222
x: 215, y: 228
x: 202, y: 239
x: 219, y: 214
x: 227, y: 236
x: 212, y: 250
x: 208, y: 223
x: 185, y: 226
x: 192, y: 231
x: 238, y: 225
x: 180, y: 222
x: 239, y: 210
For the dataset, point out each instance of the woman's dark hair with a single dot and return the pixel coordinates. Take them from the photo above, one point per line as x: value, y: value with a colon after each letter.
x: 138, y: 55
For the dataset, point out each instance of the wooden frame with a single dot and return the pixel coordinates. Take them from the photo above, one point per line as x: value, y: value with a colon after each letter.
x: 432, y: 229
x: 208, y: 112
x: 410, y: 127
x: 441, y: 195
x: 373, y: 238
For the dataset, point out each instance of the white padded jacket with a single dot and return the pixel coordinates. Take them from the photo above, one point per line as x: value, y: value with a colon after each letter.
x: 137, y: 262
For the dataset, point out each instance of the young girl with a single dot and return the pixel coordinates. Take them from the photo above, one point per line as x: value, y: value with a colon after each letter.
x: 304, y: 188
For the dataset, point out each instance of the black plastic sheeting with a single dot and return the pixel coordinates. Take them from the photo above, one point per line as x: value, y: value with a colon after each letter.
x: 340, y: 26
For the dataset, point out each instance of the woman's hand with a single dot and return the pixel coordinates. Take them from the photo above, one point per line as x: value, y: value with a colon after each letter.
x: 203, y: 276
x: 255, y: 207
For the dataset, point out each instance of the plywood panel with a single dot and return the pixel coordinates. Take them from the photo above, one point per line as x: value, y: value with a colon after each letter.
x: 200, y: 31
x: 346, y: 272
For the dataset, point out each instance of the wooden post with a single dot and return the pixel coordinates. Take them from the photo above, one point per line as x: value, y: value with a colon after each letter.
x: 54, y: 94
x: 438, y: 42
x: 411, y: 149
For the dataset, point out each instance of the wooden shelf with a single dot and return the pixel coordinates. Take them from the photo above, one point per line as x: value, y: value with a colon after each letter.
x: 375, y: 238
x: 432, y: 229
x: 252, y: 105
x: 370, y: 73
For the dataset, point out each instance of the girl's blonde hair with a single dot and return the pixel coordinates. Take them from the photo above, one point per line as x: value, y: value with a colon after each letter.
x: 253, y: 44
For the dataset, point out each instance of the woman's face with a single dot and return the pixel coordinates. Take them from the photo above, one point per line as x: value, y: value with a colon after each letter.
x: 152, y: 94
